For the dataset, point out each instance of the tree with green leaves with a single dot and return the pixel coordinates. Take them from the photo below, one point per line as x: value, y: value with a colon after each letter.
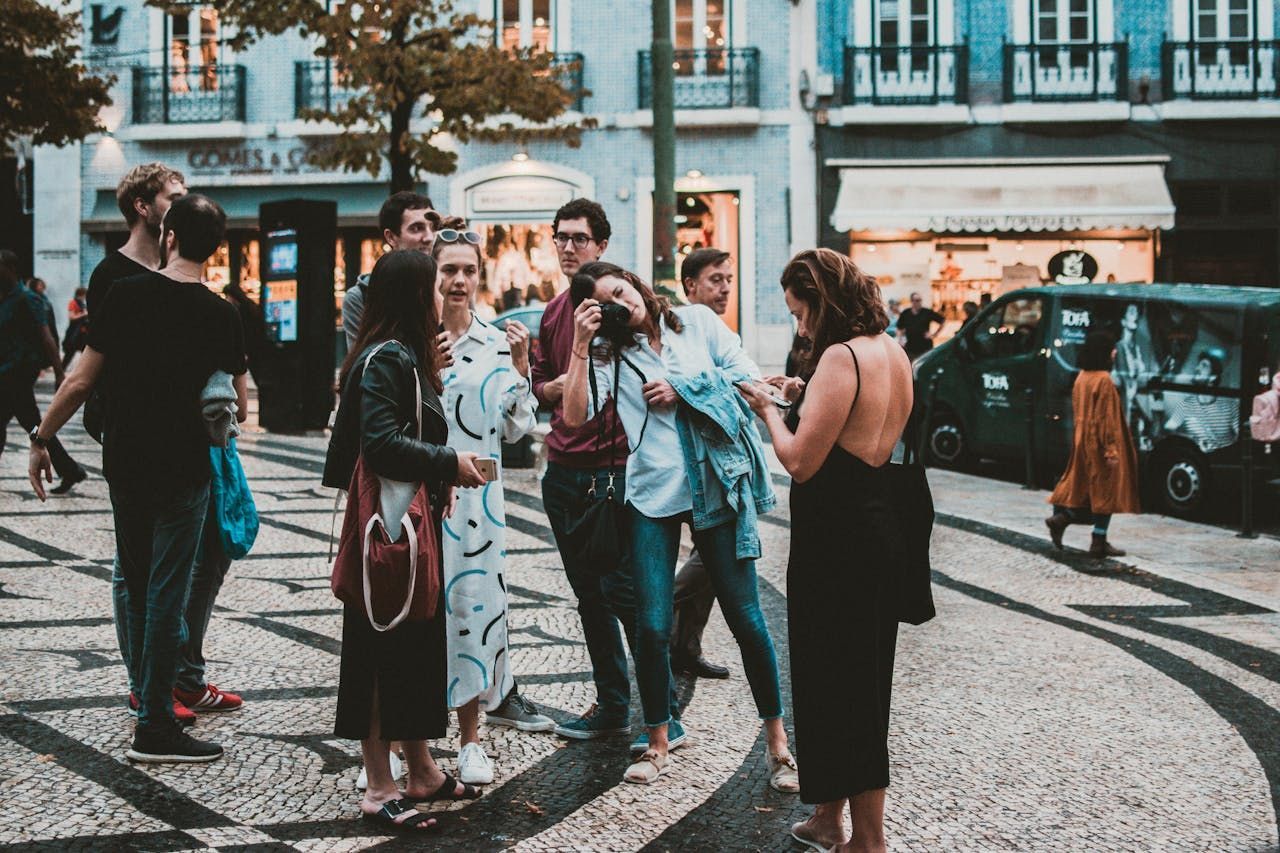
x: 397, y: 60
x: 45, y: 91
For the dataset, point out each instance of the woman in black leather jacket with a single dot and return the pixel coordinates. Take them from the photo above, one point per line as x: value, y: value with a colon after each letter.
x: 392, y: 684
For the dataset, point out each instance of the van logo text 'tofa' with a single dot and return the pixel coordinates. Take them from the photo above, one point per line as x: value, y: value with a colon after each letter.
x: 1075, y: 319
x: 995, y: 382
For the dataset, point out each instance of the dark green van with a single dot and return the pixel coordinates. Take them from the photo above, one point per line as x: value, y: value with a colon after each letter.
x: 1187, y: 356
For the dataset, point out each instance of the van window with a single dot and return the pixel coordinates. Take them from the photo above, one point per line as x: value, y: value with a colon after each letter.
x: 1009, y: 329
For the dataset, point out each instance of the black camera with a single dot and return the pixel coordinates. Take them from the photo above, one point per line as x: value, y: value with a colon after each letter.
x: 614, y: 319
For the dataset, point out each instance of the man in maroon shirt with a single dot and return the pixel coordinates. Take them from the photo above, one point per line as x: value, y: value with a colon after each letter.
x: 577, y: 458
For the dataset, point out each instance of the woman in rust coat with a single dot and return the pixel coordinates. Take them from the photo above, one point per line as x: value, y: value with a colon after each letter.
x: 1102, y: 475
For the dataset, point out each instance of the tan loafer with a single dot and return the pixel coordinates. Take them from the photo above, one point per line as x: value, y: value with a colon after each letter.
x: 784, y: 775
x: 647, y: 768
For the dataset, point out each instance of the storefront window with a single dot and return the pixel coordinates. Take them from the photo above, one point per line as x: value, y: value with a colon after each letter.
x: 709, y: 221
x: 1012, y: 331
x: 521, y: 267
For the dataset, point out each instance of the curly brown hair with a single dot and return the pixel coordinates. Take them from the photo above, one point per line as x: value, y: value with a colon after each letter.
x: 844, y: 302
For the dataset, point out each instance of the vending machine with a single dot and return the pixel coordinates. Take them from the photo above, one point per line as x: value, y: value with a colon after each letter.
x: 298, y: 307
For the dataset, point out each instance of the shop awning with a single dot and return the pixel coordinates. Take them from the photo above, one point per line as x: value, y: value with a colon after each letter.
x: 358, y: 203
x: 1004, y: 197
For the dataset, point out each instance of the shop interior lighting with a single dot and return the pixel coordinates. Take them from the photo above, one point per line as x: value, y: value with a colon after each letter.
x: 693, y: 173
x: 520, y: 156
x: 871, y: 247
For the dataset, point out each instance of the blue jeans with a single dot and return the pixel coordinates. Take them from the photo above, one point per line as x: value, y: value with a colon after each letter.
x: 158, y: 535
x: 655, y: 544
x: 605, y: 600
x: 206, y: 582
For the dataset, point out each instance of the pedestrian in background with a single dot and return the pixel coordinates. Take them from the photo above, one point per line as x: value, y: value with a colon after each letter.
x: 155, y: 341
x: 26, y: 346
x: 645, y: 358
x: 847, y: 544
x: 41, y: 290
x: 77, y: 326
x: 487, y: 400
x: 1102, y: 474
x: 917, y: 327
x: 392, y: 684
x: 255, y: 329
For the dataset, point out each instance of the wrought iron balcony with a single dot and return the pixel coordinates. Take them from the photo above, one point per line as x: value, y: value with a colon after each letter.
x: 568, y: 66
x: 716, y: 78
x: 320, y: 85
x: 904, y: 76
x: 184, y: 95
x: 1066, y: 72
x: 1220, y: 70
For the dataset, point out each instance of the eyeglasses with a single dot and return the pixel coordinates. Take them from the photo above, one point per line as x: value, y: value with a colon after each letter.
x: 579, y: 240
x: 451, y: 235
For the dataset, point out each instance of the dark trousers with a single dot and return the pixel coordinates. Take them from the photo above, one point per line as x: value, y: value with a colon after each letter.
x: 606, y: 602
x: 694, y: 598
x: 18, y: 400
x: 206, y: 580
x: 158, y: 533
x: 1083, y: 515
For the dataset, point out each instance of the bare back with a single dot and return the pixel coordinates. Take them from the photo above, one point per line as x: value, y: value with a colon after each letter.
x: 884, y: 399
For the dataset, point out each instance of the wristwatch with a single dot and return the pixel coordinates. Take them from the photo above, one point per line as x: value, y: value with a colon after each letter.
x: 39, y: 442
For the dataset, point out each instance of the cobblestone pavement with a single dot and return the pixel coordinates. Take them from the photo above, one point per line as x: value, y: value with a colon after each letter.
x: 1046, y: 708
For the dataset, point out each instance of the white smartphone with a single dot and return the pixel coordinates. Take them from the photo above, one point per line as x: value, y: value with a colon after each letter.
x: 488, y: 468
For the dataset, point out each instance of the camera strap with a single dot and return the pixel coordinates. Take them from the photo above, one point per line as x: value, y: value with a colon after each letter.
x: 618, y: 360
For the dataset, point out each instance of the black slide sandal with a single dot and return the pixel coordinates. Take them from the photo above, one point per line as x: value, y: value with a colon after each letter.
x: 386, y: 817
x: 447, y: 791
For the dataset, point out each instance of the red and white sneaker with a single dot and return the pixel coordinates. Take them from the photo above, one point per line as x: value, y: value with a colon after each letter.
x: 184, y: 715
x: 209, y: 699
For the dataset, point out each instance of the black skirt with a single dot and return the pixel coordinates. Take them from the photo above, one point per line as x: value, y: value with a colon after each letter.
x: 406, y: 666
x: 842, y: 626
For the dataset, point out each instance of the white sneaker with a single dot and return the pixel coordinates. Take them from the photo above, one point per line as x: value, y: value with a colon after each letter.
x: 362, y: 781
x: 474, y: 767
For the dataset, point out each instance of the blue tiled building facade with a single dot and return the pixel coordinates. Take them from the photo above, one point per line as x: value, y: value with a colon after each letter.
x: 228, y: 122
x: 963, y: 144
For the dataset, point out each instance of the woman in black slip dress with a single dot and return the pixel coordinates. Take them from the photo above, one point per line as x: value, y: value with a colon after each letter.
x: 846, y: 541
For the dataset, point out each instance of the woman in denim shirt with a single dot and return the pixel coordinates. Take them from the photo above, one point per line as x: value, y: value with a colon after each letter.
x: 657, y: 342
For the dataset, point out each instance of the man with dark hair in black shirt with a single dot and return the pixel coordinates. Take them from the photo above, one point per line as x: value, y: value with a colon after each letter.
x: 915, y: 327
x: 153, y: 343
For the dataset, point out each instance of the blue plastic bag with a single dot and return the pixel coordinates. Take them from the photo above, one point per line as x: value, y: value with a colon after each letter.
x: 232, y: 501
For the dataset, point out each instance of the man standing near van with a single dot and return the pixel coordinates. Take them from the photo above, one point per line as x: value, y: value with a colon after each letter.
x: 916, y: 327
x: 154, y: 342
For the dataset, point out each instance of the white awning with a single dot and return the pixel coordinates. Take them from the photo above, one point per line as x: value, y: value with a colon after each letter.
x: 1041, y: 197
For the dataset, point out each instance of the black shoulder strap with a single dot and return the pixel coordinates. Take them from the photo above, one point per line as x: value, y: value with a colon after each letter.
x: 857, y: 372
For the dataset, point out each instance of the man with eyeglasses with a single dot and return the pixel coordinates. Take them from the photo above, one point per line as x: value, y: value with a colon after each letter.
x: 408, y: 221
x: 577, y: 459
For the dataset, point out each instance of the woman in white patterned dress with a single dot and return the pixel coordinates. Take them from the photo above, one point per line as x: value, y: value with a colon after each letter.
x: 488, y: 399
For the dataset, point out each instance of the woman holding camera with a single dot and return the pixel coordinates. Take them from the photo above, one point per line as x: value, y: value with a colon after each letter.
x: 392, y: 683
x: 658, y: 363
x: 488, y: 399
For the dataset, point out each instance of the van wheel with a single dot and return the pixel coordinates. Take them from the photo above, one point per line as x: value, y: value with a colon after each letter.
x: 947, y: 444
x: 1181, y: 482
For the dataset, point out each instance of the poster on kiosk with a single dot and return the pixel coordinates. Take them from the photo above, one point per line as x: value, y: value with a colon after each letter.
x: 296, y: 394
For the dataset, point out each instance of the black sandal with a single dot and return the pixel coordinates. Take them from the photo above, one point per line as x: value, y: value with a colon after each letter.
x: 447, y: 791
x: 386, y: 816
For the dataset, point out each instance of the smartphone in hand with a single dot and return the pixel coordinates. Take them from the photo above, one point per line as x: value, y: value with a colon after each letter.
x: 488, y: 468
x: 773, y: 394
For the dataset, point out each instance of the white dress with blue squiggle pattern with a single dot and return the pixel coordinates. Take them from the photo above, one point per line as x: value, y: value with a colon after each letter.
x: 486, y: 402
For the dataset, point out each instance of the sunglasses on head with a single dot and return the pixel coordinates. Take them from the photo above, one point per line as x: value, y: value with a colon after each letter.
x: 452, y: 235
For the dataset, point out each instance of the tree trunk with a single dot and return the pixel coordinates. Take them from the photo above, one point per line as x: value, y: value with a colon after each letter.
x: 401, y: 166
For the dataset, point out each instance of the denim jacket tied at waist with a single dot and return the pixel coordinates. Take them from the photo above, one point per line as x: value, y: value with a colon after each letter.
x: 724, y: 455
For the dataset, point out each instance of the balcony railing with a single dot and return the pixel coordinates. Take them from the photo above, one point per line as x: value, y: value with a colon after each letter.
x: 716, y: 78
x: 910, y: 75
x: 181, y: 96
x: 1066, y: 72
x: 568, y: 66
x: 320, y: 85
x: 1220, y: 70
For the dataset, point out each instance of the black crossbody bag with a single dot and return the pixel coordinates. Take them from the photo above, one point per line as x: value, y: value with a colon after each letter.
x: 597, y: 538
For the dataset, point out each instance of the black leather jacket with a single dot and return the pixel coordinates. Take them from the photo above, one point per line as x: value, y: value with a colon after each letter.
x: 376, y: 417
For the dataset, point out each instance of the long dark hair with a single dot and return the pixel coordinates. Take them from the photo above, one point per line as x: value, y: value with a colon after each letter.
x: 399, y: 306
x: 1095, y: 354
x: 658, y: 307
x: 844, y: 302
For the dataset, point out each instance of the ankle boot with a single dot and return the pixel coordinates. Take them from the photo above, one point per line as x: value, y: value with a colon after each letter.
x: 1102, y: 548
x: 1057, y: 524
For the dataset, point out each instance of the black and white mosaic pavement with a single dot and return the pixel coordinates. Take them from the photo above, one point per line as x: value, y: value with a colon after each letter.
x: 1046, y: 708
